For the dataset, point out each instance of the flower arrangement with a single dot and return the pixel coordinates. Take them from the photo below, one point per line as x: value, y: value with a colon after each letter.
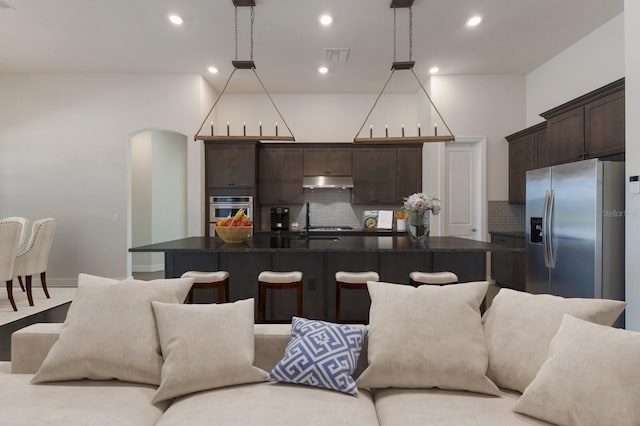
x: 421, y: 203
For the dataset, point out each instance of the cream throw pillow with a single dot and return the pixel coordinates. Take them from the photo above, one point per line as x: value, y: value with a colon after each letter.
x: 205, y: 347
x: 425, y: 337
x: 590, y: 378
x: 519, y: 327
x: 110, y: 331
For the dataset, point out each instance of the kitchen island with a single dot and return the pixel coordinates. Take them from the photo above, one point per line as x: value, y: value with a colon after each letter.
x: 319, y: 257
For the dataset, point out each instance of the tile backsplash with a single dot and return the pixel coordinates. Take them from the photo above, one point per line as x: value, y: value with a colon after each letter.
x: 329, y: 207
x: 505, y: 217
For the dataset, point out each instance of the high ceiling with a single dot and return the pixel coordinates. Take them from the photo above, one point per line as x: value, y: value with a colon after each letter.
x: 135, y: 36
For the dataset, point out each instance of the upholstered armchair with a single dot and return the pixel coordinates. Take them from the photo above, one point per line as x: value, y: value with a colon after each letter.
x: 23, y: 237
x: 10, y: 230
x: 33, y: 258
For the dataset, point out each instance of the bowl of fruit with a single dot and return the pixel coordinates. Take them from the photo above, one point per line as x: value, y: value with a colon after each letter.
x: 234, y: 229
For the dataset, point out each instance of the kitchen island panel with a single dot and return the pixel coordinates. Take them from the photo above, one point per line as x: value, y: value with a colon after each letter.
x: 396, y: 267
x: 312, y: 266
x: 177, y: 263
x: 355, y: 303
x: 243, y: 268
x: 467, y: 266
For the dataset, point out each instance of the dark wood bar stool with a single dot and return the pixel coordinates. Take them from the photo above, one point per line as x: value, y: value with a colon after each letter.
x: 352, y: 281
x: 214, y: 280
x: 269, y: 280
x: 433, y: 278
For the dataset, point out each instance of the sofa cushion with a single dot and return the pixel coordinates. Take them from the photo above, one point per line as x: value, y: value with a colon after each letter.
x: 436, y: 407
x: 110, y: 331
x: 205, y: 347
x: 276, y: 404
x: 591, y: 377
x: 321, y: 354
x: 519, y: 327
x: 429, y: 336
x: 81, y: 403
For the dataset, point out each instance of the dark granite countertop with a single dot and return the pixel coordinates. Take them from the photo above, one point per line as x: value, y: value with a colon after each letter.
x: 514, y: 234
x: 323, y: 243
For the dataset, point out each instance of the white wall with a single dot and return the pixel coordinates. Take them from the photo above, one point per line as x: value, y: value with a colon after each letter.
x: 317, y: 117
x: 590, y: 63
x: 64, y: 153
x: 484, y: 105
x: 632, y: 100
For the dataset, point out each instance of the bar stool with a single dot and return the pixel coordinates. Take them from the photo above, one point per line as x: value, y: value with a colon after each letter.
x: 437, y: 278
x: 218, y: 279
x: 269, y: 280
x: 352, y: 281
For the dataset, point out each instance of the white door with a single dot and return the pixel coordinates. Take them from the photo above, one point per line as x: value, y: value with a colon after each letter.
x: 464, y: 189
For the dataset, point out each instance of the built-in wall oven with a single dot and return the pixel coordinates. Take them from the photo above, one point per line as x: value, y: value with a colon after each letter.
x: 223, y: 206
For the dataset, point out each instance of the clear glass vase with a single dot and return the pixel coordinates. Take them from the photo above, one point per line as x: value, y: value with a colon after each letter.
x: 418, y: 226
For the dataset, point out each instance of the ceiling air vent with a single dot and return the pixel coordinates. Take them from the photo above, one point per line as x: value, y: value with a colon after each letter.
x: 5, y: 5
x: 339, y: 54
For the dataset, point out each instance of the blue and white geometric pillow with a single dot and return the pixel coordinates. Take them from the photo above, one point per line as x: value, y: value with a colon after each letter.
x: 321, y: 354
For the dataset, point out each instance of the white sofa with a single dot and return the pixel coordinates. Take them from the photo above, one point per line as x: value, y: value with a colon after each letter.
x: 86, y: 402
x: 426, y: 353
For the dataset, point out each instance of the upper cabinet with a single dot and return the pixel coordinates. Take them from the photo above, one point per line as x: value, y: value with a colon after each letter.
x: 280, y: 175
x: 327, y: 161
x: 374, y: 175
x: 385, y: 175
x: 408, y: 171
x: 590, y: 126
x: 527, y: 151
x: 230, y: 165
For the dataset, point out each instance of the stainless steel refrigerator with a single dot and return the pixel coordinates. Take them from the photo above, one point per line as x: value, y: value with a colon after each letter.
x: 575, y: 230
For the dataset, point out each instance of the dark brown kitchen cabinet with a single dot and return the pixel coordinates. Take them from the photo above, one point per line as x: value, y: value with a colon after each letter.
x: 566, y: 137
x: 374, y: 175
x: 408, y: 171
x: 508, y: 267
x: 604, y: 126
x: 280, y: 175
x: 329, y: 161
x: 590, y: 126
x: 527, y: 151
x: 230, y: 165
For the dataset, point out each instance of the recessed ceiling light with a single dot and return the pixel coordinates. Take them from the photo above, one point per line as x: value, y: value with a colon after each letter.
x: 474, y: 20
x: 323, y: 70
x: 175, y: 19
x: 326, y: 20
x: 213, y: 70
x: 434, y: 70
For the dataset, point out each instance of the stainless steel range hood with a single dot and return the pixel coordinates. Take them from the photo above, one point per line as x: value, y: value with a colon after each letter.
x: 339, y: 182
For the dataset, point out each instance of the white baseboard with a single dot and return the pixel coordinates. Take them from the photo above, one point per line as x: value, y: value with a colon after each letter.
x: 148, y: 268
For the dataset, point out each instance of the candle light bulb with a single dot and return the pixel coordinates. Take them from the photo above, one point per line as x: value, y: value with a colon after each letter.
x: 227, y: 128
x: 435, y: 129
x: 403, y: 130
x: 244, y: 128
x: 260, y: 124
x: 386, y: 130
x: 418, y: 129
x: 371, y: 130
x: 276, y: 128
x: 211, y: 127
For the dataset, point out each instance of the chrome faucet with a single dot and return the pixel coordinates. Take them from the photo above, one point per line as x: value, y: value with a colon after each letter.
x: 307, y: 224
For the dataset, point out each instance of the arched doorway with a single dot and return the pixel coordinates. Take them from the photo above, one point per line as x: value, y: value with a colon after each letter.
x: 158, y: 195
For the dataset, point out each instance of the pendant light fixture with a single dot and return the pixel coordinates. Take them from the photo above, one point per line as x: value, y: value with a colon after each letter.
x: 244, y: 65
x: 404, y: 65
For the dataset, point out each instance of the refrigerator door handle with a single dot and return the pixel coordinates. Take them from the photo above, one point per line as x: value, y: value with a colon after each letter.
x: 545, y: 224
x: 549, y: 234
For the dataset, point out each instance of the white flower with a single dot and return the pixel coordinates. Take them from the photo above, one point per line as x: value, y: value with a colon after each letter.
x: 420, y: 203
